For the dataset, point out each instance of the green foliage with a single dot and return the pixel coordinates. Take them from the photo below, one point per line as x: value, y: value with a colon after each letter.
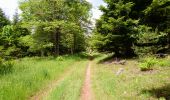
x: 114, y: 29
x: 147, y: 63
x: 157, y: 14
x: 8, y: 35
x: 149, y: 42
x: 57, y: 26
x: 3, y: 20
x: 130, y: 27
x: 10, y: 40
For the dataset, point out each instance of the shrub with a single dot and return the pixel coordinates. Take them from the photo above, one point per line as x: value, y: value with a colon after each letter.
x: 147, y: 63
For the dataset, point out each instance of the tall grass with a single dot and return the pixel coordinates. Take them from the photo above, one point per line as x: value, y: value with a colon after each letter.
x: 29, y: 75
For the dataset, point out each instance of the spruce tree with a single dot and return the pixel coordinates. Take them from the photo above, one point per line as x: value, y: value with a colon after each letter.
x: 3, y: 20
x: 115, y: 28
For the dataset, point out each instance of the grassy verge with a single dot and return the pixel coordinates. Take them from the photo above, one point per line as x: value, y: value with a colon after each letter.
x: 131, y: 83
x: 70, y: 87
x: 29, y: 75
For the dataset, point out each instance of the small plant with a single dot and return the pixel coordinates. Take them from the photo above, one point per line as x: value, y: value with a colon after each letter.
x: 147, y: 63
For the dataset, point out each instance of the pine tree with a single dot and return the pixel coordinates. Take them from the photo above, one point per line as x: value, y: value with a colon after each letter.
x: 115, y: 27
x: 15, y: 17
x: 3, y: 20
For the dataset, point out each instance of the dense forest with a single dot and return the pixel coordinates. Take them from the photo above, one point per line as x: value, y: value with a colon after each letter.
x: 53, y: 50
x: 57, y: 27
x: 45, y: 27
x: 129, y: 27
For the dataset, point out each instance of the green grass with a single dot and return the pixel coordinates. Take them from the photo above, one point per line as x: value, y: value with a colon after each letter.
x: 30, y: 75
x: 70, y: 87
x: 131, y: 84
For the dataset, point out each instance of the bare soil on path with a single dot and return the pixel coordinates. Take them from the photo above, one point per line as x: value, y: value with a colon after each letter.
x: 86, y: 90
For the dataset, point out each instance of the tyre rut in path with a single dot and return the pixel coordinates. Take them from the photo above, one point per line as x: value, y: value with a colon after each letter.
x: 48, y: 89
x: 86, y: 90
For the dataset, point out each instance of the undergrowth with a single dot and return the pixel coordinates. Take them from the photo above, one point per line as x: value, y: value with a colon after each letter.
x: 148, y: 63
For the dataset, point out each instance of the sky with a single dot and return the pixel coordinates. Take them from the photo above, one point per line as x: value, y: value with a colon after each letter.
x: 95, y: 10
x: 10, y: 6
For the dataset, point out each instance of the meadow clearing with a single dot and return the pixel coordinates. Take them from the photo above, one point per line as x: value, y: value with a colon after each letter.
x: 63, y: 78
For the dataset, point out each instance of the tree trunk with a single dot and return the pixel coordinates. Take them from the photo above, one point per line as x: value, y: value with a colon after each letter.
x: 169, y: 41
x: 42, y: 53
x: 71, y: 50
x: 74, y: 44
x: 56, y: 42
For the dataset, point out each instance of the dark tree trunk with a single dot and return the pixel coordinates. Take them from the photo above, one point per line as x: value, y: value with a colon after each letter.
x: 56, y: 42
x: 74, y: 45
x: 71, y: 51
x: 42, y: 53
x: 169, y: 41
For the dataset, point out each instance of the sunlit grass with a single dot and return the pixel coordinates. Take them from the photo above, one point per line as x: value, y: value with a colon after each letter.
x: 70, y: 87
x: 30, y: 75
x: 131, y: 84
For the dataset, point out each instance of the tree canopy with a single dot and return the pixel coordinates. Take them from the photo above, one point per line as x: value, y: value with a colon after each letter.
x: 127, y: 27
x: 57, y: 27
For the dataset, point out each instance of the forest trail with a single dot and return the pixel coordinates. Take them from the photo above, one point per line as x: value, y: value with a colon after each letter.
x: 86, y: 87
x: 86, y: 90
x: 48, y: 89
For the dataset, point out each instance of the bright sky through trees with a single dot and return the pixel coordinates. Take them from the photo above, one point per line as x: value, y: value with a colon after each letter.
x: 9, y: 7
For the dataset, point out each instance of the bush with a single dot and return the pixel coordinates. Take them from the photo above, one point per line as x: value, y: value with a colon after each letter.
x: 6, y: 67
x: 147, y: 63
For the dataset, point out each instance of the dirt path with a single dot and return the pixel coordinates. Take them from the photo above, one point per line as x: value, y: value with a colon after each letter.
x: 86, y: 90
x: 48, y: 89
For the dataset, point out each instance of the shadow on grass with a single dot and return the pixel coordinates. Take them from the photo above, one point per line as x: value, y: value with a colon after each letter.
x: 81, y: 56
x: 111, y: 57
x: 159, y: 92
x: 78, y: 56
x: 108, y: 59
